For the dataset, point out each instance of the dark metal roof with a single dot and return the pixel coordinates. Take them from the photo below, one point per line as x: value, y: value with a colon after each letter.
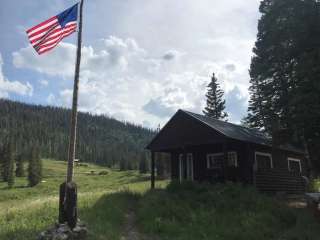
x: 232, y: 130
x: 238, y: 132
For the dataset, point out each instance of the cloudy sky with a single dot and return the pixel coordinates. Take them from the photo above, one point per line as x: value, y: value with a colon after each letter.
x: 142, y: 60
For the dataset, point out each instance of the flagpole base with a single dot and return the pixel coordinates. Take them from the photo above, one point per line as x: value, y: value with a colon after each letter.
x: 68, y: 211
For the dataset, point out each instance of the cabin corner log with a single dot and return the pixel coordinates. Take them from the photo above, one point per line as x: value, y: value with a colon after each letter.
x: 279, y: 180
x: 152, y: 169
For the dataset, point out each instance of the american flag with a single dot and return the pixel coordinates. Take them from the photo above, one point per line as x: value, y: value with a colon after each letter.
x: 46, y: 35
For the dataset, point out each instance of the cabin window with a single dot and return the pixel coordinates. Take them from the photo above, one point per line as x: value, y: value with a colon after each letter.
x: 232, y: 159
x: 294, y: 165
x: 263, y: 160
x: 215, y: 160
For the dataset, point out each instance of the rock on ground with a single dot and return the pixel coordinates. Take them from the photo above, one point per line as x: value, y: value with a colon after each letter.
x: 63, y: 232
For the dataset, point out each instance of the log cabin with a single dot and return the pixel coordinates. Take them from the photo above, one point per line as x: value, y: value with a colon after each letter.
x: 204, y: 149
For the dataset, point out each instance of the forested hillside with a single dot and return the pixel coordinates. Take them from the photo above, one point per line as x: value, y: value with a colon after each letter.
x: 101, y: 139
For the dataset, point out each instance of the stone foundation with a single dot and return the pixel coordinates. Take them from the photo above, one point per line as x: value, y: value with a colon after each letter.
x: 63, y: 232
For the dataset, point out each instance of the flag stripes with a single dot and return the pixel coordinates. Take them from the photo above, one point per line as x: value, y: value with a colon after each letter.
x: 46, y: 35
x: 39, y: 26
x: 48, y: 45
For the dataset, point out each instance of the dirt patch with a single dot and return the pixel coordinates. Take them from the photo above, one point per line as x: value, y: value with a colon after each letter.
x: 295, y: 201
x: 131, y: 231
x: 297, y: 204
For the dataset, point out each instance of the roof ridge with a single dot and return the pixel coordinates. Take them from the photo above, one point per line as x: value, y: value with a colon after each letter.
x: 237, y: 125
x: 191, y: 114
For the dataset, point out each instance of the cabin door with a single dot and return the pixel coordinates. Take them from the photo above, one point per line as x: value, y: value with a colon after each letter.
x: 186, y: 167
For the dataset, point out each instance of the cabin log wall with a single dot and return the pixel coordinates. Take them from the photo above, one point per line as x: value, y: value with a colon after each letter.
x: 265, y: 181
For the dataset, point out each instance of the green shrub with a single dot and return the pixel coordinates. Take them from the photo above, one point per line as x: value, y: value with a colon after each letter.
x: 34, y: 167
x: 104, y: 172
x: 315, y: 185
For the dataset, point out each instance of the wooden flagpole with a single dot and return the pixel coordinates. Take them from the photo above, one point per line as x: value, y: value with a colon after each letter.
x: 74, y: 114
x: 68, y: 190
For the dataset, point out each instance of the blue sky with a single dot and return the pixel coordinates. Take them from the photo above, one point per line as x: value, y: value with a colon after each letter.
x: 142, y: 60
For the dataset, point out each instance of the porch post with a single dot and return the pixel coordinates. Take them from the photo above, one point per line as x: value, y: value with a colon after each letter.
x: 152, y: 169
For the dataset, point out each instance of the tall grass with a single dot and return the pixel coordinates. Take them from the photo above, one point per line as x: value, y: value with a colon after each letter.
x: 222, y: 212
x: 186, y: 211
x: 103, y: 200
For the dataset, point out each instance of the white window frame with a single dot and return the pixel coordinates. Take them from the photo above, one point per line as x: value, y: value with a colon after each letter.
x: 221, y: 154
x: 212, y: 155
x: 262, y: 154
x: 236, y: 154
x: 294, y: 160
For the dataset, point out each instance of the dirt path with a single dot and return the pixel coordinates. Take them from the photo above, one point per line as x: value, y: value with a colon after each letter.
x: 131, y: 231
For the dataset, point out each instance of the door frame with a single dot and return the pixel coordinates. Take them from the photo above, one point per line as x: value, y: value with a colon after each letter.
x: 186, y: 163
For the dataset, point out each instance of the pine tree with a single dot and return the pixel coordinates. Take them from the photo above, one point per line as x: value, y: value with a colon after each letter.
x: 143, y: 168
x: 40, y: 167
x: 7, y: 164
x: 34, y: 168
x: 129, y: 165
x: 1, y: 163
x: 10, y: 166
x: 215, y: 103
x: 19, y: 166
x: 285, y: 72
x: 6, y: 153
x: 123, y: 164
x: 160, y: 165
x: 271, y: 67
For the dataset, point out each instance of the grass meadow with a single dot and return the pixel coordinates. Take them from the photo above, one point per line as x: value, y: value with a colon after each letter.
x: 172, y: 211
x: 25, y: 211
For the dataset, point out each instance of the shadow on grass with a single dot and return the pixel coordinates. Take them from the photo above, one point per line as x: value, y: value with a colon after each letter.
x: 14, y: 187
x: 106, y: 218
x: 22, y: 186
x: 184, y: 211
x: 20, y: 234
x: 131, y: 177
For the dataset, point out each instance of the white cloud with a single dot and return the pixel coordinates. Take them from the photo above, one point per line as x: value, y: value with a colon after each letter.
x: 121, y: 79
x: 165, y: 63
x: 236, y: 104
x: 7, y: 87
x: 111, y: 54
x: 58, y: 62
